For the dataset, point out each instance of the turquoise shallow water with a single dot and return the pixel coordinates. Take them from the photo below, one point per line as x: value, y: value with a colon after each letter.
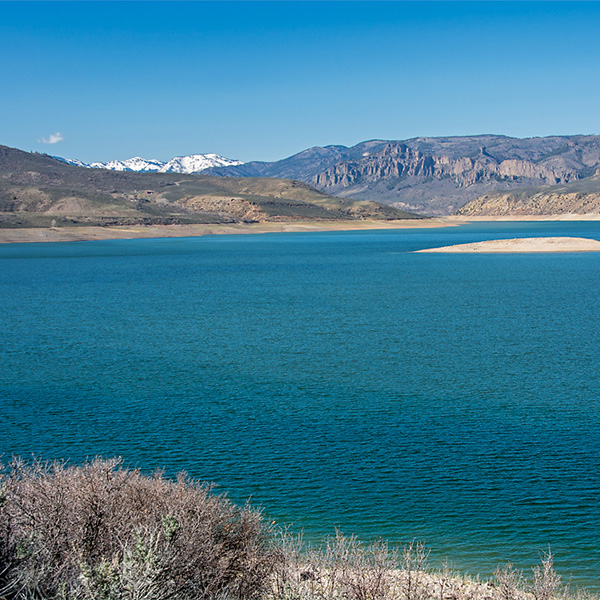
x: 337, y: 378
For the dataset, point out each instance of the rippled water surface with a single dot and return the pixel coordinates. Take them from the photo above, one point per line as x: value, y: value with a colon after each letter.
x: 337, y: 378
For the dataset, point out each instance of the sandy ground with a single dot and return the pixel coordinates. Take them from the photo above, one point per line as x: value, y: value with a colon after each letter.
x: 74, y: 234
x: 549, y: 244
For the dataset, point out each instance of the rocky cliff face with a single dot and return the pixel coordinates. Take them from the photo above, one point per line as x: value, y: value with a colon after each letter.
x: 581, y: 197
x: 440, y: 182
x: 401, y: 162
x: 436, y: 176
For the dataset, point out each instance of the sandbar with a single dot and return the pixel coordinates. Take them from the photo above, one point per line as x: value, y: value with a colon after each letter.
x: 89, y: 233
x: 545, y: 244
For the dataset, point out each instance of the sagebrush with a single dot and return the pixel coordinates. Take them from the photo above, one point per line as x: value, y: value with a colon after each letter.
x: 100, y: 531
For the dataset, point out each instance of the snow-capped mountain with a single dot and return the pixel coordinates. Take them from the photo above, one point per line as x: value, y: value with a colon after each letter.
x: 131, y: 164
x: 194, y: 163
x: 197, y: 162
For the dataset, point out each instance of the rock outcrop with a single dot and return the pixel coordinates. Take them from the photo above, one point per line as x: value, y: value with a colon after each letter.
x: 581, y: 197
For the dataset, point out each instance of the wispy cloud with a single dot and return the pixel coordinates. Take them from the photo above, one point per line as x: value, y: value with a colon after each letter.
x: 53, y: 138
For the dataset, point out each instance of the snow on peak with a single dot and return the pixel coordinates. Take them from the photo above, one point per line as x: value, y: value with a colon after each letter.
x: 72, y: 161
x: 131, y: 164
x: 194, y: 163
x: 197, y: 162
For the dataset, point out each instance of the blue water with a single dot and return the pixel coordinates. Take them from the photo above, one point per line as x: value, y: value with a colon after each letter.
x: 336, y: 378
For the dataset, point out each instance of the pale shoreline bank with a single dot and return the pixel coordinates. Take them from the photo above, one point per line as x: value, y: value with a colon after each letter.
x: 547, y: 244
x: 91, y: 233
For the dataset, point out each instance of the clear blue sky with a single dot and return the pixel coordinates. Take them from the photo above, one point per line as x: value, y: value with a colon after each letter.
x: 262, y: 81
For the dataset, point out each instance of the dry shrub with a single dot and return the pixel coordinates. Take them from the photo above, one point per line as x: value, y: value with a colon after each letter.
x: 342, y: 568
x: 345, y: 569
x: 546, y: 582
x: 414, y: 563
x: 371, y: 572
x: 509, y: 582
x: 103, y: 532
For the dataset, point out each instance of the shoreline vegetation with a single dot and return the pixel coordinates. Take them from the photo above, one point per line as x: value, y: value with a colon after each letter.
x: 90, y: 233
x: 99, y: 531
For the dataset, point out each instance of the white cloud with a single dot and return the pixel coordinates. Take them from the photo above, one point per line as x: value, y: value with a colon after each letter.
x: 53, y: 138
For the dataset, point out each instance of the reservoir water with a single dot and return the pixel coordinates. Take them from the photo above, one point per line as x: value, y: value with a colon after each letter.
x: 337, y: 379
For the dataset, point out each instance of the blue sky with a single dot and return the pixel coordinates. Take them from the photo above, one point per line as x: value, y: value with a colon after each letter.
x: 264, y: 80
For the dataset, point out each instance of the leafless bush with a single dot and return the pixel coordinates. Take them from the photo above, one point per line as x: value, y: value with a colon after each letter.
x: 287, y: 572
x: 445, y: 579
x: 102, y: 532
x: 342, y: 568
x: 583, y: 595
x: 546, y: 581
x: 509, y: 582
x: 414, y: 567
x: 371, y: 570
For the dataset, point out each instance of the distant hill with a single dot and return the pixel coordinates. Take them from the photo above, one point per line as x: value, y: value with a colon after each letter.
x: 581, y: 197
x: 37, y: 190
x: 435, y: 176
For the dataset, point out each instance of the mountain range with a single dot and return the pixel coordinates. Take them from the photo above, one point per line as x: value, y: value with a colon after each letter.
x: 193, y: 163
x: 429, y: 176
x: 435, y: 176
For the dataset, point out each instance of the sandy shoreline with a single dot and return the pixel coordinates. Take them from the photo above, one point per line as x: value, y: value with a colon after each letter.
x: 91, y: 233
x: 74, y: 234
x: 549, y: 244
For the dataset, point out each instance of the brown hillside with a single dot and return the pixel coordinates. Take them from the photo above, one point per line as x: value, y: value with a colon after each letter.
x: 37, y: 190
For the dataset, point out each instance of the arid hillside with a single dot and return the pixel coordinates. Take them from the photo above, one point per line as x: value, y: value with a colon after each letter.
x: 575, y: 198
x: 37, y: 190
